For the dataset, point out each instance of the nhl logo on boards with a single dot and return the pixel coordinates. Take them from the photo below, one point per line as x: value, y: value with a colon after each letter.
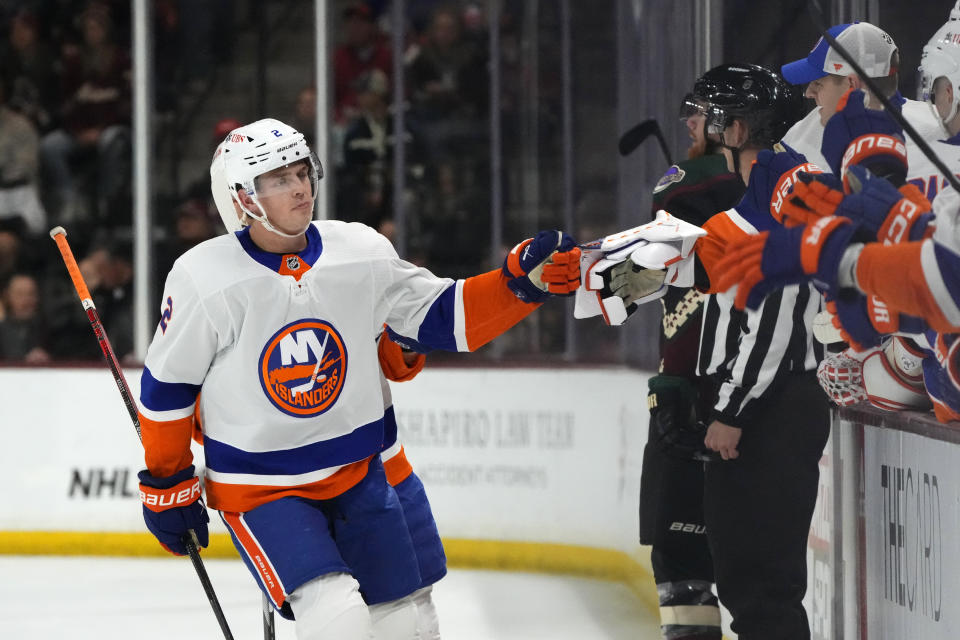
x: 302, y: 368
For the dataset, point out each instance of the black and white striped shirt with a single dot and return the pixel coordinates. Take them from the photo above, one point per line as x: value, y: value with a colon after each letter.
x: 749, y: 352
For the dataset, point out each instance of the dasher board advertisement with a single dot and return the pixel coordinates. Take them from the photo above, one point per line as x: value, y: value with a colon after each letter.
x: 912, y: 520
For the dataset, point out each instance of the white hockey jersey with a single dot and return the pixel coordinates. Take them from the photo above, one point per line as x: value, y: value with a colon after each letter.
x: 806, y: 136
x: 283, y: 348
x: 925, y: 174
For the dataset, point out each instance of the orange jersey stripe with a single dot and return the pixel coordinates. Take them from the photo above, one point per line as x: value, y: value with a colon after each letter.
x: 490, y: 308
x: 711, y: 248
x: 394, y: 364
x: 894, y: 273
x: 397, y: 468
x: 197, y: 423
x: 244, y: 497
x: 257, y: 557
x: 166, y: 445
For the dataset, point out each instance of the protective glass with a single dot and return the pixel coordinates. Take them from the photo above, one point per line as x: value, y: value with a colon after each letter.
x: 692, y: 106
x: 301, y: 175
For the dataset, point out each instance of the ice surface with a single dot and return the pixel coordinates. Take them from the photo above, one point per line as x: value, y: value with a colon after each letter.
x: 161, y: 599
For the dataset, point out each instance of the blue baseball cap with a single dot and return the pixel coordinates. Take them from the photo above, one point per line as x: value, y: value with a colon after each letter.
x: 870, y: 46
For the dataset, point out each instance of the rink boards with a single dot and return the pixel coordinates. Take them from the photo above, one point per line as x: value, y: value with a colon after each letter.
x: 529, y: 469
x: 883, y: 553
x: 533, y: 469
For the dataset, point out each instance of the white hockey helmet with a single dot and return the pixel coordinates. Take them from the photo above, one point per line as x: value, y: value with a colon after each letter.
x: 258, y: 148
x: 941, y: 58
x: 232, y: 219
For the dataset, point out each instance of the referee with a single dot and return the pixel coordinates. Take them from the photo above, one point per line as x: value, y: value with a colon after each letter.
x: 770, y: 419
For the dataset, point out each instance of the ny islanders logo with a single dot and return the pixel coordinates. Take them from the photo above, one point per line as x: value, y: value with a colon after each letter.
x: 302, y: 368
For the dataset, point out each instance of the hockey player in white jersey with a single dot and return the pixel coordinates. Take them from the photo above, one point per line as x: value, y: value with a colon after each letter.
x: 276, y: 326
x: 828, y: 77
x: 940, y: 89
x: 397, y: 364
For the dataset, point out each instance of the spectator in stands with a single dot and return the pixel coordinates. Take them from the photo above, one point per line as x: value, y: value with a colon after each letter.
x: 29, y: 69
x: 22, y: 334
x: 194, y: 221
x: 108, y: 272
x: 96, y: 122
x: 220, y: 131
x: 19, y: 146
x: 447, y: 87
x: 364, y: 48
x: 305, y: 114
x: 368, y: 149
x: 11, y: 246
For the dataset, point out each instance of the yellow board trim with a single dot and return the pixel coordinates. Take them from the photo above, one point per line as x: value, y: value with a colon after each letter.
x: 539, y: 557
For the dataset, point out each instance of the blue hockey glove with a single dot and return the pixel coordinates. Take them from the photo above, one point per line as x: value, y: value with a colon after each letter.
x: 769, y: 261
x: 546, y: 264
x: 871, y: 138
x: 771, y: 177
x: 883, y: 213
x: 852, y: 313
x: 865, y: 321
x: 172, y: 506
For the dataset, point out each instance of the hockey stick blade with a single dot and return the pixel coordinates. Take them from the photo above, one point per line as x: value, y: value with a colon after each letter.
x: 816, y: 12
x: 640, y: 133
x: 636, y: 136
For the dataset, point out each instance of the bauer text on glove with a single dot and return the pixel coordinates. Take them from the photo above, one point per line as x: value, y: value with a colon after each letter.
x: 172, y: 507
x: 772, y: 260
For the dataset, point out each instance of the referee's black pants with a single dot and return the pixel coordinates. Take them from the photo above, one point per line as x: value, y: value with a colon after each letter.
x: 758, y: 510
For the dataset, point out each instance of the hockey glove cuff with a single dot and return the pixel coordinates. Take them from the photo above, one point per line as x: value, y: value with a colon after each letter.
x: 871, y: 138
x: 547, y: 264
x: 172, y: 507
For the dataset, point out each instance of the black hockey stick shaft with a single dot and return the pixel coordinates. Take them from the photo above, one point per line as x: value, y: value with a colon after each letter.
x: 817, y: 13
x: 190, y: 542
x: 269, y: 632
x: 59, y: 236
x: 639, y: 133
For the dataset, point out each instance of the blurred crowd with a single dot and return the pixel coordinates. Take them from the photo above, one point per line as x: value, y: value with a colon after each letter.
x: 445, y: 137
x: 64, y: 160
x: 65, y: 150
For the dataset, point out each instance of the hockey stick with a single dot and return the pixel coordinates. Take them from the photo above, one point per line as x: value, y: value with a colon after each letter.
x: 638, y: 134
x: 269, y: 633
x: 59, y: 236
x: 820, y: 22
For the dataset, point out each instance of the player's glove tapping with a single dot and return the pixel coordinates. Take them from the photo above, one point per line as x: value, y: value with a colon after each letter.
x: 547, y: 264
x: 862, y: 321
x: 772, y: 176
x: 871, y: 138
x: 172, y: 506
x: 771, y: 260
x: 883, y: 213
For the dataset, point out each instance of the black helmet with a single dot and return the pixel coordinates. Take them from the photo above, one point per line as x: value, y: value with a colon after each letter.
x: 753, y: 93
